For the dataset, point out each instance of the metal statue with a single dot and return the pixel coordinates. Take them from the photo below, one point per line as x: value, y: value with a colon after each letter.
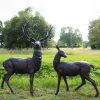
x: 23, y: 66
x: 64, y: 69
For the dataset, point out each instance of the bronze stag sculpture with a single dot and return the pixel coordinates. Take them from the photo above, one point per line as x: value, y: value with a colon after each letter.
x: 23, y: 66
x: 64, y: 69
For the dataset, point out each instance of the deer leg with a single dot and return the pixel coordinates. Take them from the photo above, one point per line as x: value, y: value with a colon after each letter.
x: 93, y: 83
x: 7, y: 76
x: 83, y: 83
x: 59, y: 79
x: 3, y: 79
x: 67, y: 88
x: 31, y: 84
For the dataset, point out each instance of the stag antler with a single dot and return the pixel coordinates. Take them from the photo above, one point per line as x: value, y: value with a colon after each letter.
x: 29, y: 38
x: 57, y: 47
x: 47, y: 35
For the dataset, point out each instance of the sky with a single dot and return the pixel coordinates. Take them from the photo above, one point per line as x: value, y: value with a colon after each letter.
x: 59, y: 13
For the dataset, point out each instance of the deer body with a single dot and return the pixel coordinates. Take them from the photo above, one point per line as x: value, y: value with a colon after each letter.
x: 24, y: 66
x: 64, y: 69
x: 72, y: 69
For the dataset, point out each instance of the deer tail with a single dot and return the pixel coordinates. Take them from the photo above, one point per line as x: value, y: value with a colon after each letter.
x: 92, y: 66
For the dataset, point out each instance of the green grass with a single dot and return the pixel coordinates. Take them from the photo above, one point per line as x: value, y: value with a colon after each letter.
x: 48, y: 94
x: 45, y: 88
x: 45, y: 81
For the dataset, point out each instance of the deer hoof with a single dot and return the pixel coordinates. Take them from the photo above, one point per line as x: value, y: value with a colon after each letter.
x: 96, y: 95
x: 32, y: 94
x: 56, y: 93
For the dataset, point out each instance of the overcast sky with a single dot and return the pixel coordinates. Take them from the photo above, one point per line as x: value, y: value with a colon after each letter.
x: 60, y: 13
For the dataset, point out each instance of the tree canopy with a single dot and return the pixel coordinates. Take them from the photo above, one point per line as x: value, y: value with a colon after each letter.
x: 1, y: 26
x: 94, y: 34
x: 37, y: 28
x: 70, y: 37
x: 1, y: 38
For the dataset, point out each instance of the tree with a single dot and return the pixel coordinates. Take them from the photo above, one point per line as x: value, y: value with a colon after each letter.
x: 70, y: 37
x: 1, y: 37
x: 86, y: 44
x: 36, y: 28
x: 94, y: 34
x: 1, y: 26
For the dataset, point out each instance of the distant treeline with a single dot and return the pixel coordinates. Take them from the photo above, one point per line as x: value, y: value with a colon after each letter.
x: 12, y: 36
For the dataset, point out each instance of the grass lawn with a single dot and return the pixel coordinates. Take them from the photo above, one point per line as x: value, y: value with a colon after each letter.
x: 45, y: 89
x: 45, y: 81
x: 85, y: 93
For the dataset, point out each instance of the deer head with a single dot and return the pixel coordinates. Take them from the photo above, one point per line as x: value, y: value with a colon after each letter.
x: 61, y: 52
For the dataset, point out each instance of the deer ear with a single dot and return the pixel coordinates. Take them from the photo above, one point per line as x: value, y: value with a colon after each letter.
x: 57, y: 47
x: 33, y: 43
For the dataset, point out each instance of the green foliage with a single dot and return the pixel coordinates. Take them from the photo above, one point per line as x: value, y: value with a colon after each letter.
x: 47, y: 69
x: 36, y: 28
x: 94, y: 34
x: 70, y: 37
x: 45, y: 81
x: 1, y: 37
x: 86, y: 44
x: 1, y: 26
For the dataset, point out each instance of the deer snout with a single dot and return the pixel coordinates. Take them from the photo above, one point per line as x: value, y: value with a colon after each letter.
x: 65, y: 56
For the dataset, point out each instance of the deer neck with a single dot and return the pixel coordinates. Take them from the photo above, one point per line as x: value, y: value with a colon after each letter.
x: 56, y: 60
x: 37, y: 58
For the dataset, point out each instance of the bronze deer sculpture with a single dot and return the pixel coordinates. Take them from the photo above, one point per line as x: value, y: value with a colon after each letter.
x: 23, y: 66
x: 64, y: 69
